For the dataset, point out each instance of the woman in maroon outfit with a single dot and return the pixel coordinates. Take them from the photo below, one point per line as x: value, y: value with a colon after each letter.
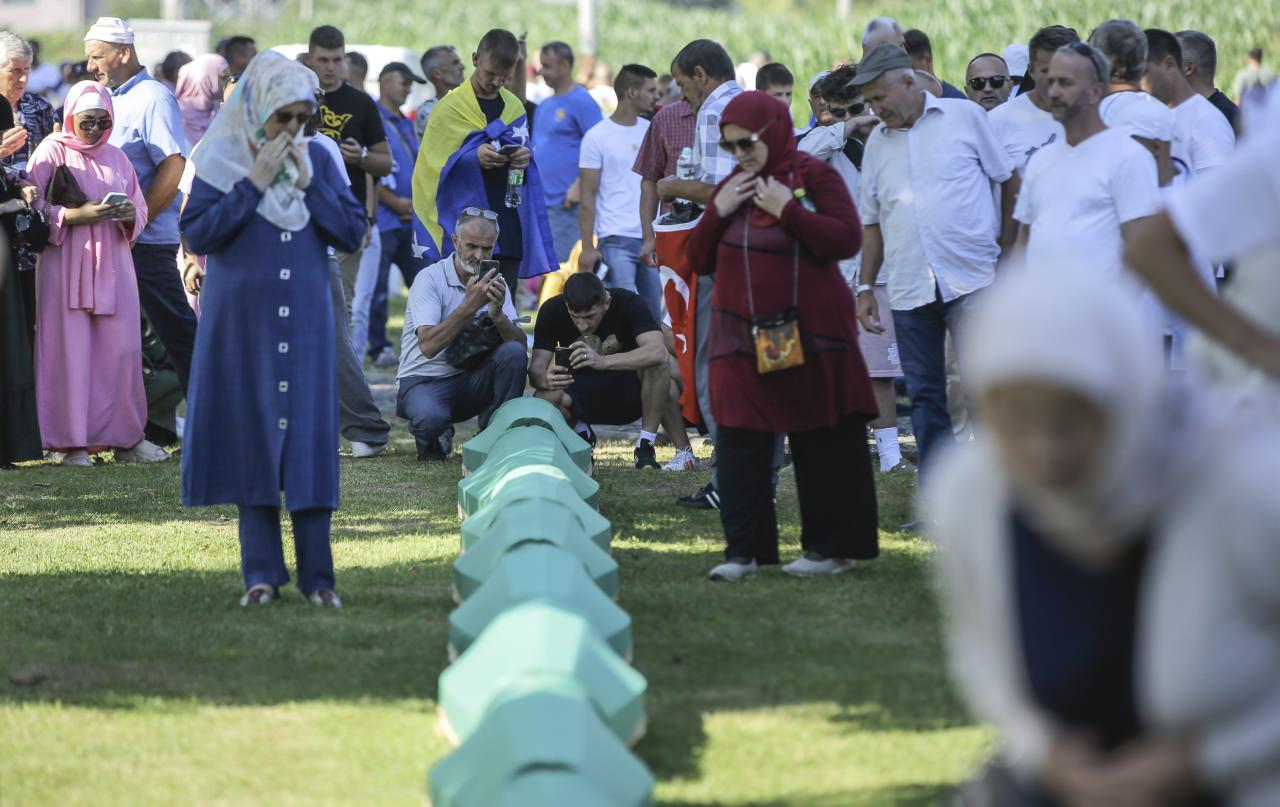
x: 772, y: 235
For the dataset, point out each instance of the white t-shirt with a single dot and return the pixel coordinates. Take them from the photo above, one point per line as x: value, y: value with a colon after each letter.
x: 1024, y: 129
x: 1074, y: 199
x: 612, y: 148
x: 1201, y: 141
x: 436, y: 293
x: 1138, y: 114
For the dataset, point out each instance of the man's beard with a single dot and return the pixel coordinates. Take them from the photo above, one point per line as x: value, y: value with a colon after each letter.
x: 469, y: 267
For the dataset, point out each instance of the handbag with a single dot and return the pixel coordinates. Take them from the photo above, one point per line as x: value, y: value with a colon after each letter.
x: 777, y: 335
x: 64, y: 190
x: 473, y: 344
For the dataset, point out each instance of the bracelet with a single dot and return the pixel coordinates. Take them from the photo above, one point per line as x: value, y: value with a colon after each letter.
x: 864, y: 287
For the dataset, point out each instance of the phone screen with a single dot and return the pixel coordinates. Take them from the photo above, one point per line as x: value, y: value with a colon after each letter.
x: 509, y: 149
x: 563, y: 355
x: 487, y: 266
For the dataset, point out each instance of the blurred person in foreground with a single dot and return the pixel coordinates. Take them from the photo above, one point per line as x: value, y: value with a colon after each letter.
x: 263, y: 406
x: 782, y: 348
x: 1122, y: 657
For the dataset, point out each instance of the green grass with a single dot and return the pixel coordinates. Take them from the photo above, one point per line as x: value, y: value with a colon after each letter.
x: 155, y: 687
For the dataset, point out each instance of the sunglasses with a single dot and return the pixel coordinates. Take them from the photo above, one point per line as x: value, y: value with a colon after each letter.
x: 851, y: 111
x: 478, y: 212
x: 89, y: 124
x: 285, y: 118
x: 980, y: 82
x: 742, y: 145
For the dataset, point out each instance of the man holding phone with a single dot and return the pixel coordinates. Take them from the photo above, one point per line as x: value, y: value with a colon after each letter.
x: 611, y: 367
x: 448, y: 303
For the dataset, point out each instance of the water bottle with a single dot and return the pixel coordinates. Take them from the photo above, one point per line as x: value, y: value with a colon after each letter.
x: 515, y: 187
x: 683, y: 210
x: 686, y: 166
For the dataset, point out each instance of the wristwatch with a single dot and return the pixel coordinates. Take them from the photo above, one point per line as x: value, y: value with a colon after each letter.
x: 861, y: 287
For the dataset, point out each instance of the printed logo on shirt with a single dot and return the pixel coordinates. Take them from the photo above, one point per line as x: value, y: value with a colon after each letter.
x: 1031, y: 151
x: 560, y: 113
x: 332, y: 124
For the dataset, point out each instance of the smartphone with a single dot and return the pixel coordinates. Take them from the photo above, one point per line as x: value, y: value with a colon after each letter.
x: 563, y: 356
x: 509, y: 149
x: 115, y: 199
x: 487, y: 266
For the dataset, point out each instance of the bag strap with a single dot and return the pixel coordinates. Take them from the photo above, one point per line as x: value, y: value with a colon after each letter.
x: 746, y: 262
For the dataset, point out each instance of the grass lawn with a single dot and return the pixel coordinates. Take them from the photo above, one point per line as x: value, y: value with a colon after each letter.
x: 130, y: 675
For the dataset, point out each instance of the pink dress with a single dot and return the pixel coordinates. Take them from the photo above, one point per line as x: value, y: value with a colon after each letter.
x: 89, y: 390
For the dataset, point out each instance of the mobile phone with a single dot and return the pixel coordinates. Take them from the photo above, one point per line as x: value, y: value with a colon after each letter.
x: 115, y: 199
x: 509, y: 149
x: 563, y: 355
x: 487, y: 266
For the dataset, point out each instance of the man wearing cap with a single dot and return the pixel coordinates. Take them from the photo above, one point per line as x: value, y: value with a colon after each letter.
x: 148, y: 129
x: 395, y: 204
x: 931, y: 221
x: 1018, y: 58
x: 1083, y: 195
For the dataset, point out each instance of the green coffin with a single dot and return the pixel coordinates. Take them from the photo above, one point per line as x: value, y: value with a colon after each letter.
x: 542, y: 573
x: 541, y: 747
x: 536, y: 645
x: 525, y: 412
x: 519, y: 452
x: 536, y: 498
x: 507, y: 534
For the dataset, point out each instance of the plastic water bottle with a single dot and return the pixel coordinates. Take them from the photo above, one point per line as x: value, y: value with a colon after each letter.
x: 686, y: 166
x: 515, y: 187
x: 683, y: 210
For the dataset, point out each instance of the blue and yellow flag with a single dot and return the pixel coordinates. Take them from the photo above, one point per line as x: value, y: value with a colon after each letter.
x: 447, y: 178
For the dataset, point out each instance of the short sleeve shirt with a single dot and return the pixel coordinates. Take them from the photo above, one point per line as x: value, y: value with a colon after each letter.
x: 558, y: 128
x: 611, y: 149
x: 435, y: 294
x: 1023, y: 128
x: 148, y: 129
x: 350, y: 113
x: 717, y: 164
x: 627, y: 318
x: 404, y: 154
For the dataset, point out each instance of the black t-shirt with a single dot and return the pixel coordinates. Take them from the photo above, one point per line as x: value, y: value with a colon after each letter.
x: 626, y: 319
x: 348, y: 112
x: 510, y: 238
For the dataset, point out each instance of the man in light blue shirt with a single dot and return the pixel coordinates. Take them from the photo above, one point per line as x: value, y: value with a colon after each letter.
x: 147, y: 127
x: 559, y: 124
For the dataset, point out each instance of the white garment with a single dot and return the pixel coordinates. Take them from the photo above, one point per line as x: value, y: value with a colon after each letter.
x: 270, y: 83
x: 327, y: 143
x: 1075, y: 198
x: 112, y: 30
x: 1023, y: 128
x: 1201, y: 142
x: 929, y: 189
x: 827, y: 144
x: 436, y: 293
x: 611, y: 149
x: 363, y: 291
x: 1138, y: 114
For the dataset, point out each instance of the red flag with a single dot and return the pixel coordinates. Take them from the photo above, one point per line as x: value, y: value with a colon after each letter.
x: 680, y: 291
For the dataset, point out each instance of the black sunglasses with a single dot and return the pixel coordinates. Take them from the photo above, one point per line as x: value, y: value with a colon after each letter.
x: 89, y: 124
x: 744, y: 144
x: 285, y: 118
x: 980, y: 82
x: 851, y: 111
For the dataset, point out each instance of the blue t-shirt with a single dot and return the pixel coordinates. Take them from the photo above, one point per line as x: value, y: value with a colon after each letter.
x: 404, y: 153
x: 558, y: 129
x: 148, y: 129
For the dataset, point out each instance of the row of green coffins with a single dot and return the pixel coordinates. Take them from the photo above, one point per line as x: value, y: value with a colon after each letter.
x: 540, y: 698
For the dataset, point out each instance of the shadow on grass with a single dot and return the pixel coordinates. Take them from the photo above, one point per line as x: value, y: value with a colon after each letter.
x: 898, y: 796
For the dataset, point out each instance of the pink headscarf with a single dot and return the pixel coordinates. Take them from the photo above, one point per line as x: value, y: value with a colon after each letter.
x: 199, y: 92
x: 67, y: 136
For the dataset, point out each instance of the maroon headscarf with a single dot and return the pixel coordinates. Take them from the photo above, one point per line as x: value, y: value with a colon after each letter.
x: 760, y: 112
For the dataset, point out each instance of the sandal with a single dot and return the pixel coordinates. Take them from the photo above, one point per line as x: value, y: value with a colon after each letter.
x: 325, y: 598
x: 261, y: 594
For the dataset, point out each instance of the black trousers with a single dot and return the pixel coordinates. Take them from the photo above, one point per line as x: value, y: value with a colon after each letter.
x: 165, y: 303
x: 833, y: 481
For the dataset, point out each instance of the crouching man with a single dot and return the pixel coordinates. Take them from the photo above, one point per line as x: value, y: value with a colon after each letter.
x: 611, y: 367
x: 462, y: 355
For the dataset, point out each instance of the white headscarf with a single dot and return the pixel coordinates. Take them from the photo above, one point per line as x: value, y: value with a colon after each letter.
x: 226, y: 154
x: 1060, y: 328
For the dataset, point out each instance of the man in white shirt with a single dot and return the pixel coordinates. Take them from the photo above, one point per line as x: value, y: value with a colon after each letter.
x: 443, y: 68
x: 1083, y: 195
x: 1024, y: 124
x: 930, y: 219
x: 611, y: 190
x: 1126, y: 105
x: 1202, y: 139
x: 448, y: 297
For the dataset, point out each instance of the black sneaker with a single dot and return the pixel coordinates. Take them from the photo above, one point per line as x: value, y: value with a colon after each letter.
x: 645, y: 456
x: 590, y: 436
x: 706, y: 499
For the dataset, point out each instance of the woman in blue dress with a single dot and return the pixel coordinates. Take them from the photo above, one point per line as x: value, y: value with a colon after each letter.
x: 263, y: 401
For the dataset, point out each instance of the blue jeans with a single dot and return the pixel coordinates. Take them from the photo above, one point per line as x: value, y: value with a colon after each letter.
x: 564, y: 229
x: 262, y: 556
x: 397, y: 248
x: 922, y: 338
x: 626, y: 271
x: 432, y: 405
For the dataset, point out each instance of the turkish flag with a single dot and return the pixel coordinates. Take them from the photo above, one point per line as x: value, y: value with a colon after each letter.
x: 680, y: 291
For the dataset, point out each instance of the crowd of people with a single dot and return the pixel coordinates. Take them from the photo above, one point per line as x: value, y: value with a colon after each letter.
x: 1026, y: 254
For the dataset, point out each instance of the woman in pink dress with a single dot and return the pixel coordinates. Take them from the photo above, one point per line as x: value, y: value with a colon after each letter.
x: 89, y: 392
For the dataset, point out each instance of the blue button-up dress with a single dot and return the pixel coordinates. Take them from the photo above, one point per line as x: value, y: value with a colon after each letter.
x: 262, y: 412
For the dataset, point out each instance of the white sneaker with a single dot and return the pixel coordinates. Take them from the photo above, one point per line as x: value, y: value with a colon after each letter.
x: 363, y: 450
x: 813, y: 565
x: 732, y: 571
x: 145, y: 452
x: 386, y: 358
x: 685, y: 460
x: 78, y: 459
